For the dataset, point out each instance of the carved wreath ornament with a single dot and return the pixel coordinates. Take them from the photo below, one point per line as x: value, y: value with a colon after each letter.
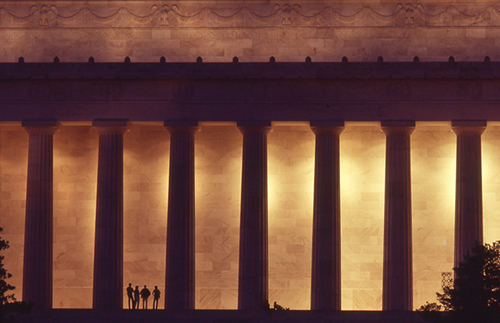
x: 177, y: 16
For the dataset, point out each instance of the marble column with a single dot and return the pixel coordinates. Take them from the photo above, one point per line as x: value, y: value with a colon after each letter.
x: 37, y: 275
x: 468, y: 199
x: 252, y: 278
x: 108, y: 255
x: 397, y: 275
x: 179, y: 277
x: 325, y: 278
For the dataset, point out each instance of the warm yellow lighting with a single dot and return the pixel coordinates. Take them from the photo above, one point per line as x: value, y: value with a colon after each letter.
x: 433, y: 152
x: 218, y: 153
x: 362, y: 169
x: 291, y: 181
x: 75, y: 176
x: 491, y: 183
x: 145, y: 179
x: 13, y: 172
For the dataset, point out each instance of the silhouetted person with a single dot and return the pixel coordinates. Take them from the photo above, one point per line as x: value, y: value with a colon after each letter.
x: 144, y: 295
x: 156, y: 297
x: 278, y: 307
x: 136, y: 296
x: 130, y: 294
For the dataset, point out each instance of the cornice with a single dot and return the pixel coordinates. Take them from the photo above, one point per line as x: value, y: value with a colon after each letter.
x: 246, y: 15
x: 307, y: 70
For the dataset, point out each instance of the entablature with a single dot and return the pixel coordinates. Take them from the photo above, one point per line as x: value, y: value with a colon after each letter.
x: 420, y: 91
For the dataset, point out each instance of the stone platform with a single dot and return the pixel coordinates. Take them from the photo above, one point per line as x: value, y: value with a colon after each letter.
x: 219, y: 316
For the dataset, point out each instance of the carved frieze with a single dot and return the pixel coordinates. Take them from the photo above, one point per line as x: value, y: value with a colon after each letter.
x: 178, y: 15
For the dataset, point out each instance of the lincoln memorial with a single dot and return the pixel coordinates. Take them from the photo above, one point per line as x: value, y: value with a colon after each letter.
x: 324, y: 155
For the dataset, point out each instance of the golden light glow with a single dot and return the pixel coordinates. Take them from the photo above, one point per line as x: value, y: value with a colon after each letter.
x: 362, y: 171
x: 75, y: 176
x: 291, y: 182
x: 433, y: 149
x: 145, y: 177
x: 13, y: 172
x: 491, y: 183
x: 218, y: 153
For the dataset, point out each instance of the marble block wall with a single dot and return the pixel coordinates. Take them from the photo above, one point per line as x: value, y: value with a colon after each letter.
x: 75, y: 178
x: 291, y: 182
x: 218, y: 180
x: 13, y: 174
x: 362, y: 171
x: 491, y: 183
x: 433, y: 155
x: 145, y: 183
x: 218, y: 153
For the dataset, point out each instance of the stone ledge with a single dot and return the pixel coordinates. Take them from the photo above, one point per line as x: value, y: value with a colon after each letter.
x: 221, y: 316
x: 355, y: 70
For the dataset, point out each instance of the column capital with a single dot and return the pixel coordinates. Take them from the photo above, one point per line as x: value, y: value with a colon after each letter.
x: 398, y: 127
x: 468, y: 127
x: 110, y: 126
x: 180, y: 123
x: 40, y: 126
x: 181, y: 126
x: 335, y: 127
x: 258, y: 126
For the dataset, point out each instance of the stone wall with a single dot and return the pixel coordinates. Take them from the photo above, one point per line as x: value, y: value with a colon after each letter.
x: 145, y: 183
x: 217, y: 31
x: 491, y: 184
x: 75, y: 182
x: 362, y: 165
x: 433, y: 204
x: 218, y: 180
x: 218, y: 154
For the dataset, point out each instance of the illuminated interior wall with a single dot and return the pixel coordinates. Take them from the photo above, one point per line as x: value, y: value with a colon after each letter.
x: 146, y: 162
x: 433, y: 154
x: 218, y: 153
x: 362, y: 176
x: 13, y: 173
x: 291, y: 182
x: 75, y: 176
x: 491, y: 183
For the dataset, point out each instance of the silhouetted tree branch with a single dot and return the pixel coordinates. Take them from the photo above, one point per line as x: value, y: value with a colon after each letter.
x: 9, y: 306
x: 475, y: 295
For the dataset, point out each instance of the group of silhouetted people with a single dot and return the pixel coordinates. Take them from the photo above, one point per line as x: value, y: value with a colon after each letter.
x: 134, y: 296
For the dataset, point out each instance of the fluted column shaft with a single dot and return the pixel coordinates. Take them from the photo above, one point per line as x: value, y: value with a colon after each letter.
x: 179, y: 279
x: 397, y: 280
x: 468, y: 199
x: 37, y: 275
x: 325, y: 278
x: 108, y: 255
x: 253, y: 280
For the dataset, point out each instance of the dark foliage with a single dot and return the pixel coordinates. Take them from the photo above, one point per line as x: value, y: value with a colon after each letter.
x: 9, y: 307
x: 475, y: 295
x: 5, y: 288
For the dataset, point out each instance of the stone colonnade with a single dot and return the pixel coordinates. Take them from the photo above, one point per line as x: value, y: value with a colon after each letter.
x: 252, y: 286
